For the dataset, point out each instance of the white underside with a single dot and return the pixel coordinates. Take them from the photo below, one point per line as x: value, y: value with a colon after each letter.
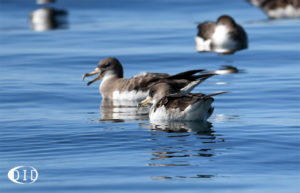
x: 41, y: 20
x: 287, y: 12
x: 220, y: 41
x: 203, y: 45
x: 256, y: 2
x: 195, y: 112
x: 130, y: 95
x: 222, y: 72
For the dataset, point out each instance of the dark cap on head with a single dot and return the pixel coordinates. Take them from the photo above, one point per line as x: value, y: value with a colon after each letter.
x: 111, y: 64
x: 226, y: 20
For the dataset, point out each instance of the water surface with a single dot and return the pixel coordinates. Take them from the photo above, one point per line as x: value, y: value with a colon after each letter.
x: 50, y: 120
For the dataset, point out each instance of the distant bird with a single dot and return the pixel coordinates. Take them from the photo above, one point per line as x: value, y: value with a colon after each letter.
x: 223, y: 36
x: 276, y: 9
x: 45, y: 19
x: 45, y: 1
x: 167, y: 106
x: 115, y: 87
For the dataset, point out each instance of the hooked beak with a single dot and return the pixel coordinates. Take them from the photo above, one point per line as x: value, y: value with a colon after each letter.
x: 144, y: 102
x: 96, y: 71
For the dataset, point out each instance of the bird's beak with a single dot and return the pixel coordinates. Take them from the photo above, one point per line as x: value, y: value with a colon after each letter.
x: 144, y: 102
x: 96, y: 71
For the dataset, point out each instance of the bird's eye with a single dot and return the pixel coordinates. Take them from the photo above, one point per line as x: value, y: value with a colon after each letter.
x: 151, y: 93
x: 105, y: 65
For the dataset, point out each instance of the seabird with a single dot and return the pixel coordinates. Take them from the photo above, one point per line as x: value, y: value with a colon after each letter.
x: 223, y: 36
x: 45, y: 1
x: 167, y: 106
x: 277, y: 9
x: 114, y: 87
x: 45, y: 19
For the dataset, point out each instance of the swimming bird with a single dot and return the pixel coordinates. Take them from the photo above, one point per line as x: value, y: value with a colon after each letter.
x: 167, y: 106
x: 45, y: 1
x: 223, y: 36
x: 276, y: 9
x: 45, y: 19
x: 114, y: 87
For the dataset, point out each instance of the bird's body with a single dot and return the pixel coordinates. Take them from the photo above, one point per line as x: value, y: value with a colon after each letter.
x: 277, y: 9
x: 182, y: 107
x: 134, y: 88
x: 115, y: 87
x: 44, y: 19
x: 223, y: 36
x: 167, y: 106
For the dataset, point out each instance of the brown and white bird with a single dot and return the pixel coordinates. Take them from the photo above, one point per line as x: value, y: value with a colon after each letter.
x: 115, y: 87
x: 277, y: 9
x: 45, y: 19
x: 223, y: 36
x: 167, y: 106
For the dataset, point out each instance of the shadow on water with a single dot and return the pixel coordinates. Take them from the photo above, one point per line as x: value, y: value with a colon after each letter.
x: 45, y: 19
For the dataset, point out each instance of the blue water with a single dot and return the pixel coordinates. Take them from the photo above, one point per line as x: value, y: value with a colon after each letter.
x: 50, y: 120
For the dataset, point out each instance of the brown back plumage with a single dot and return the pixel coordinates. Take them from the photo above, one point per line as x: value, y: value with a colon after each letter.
x: 141, y: 82
x: 206, y: 29
x: 236, y: 32
x: 177, y: 81
x: 274, y: 4
x: 180, y: 101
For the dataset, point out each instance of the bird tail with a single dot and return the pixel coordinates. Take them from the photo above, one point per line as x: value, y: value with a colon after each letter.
x: 215, y: 94
x: 188, y: 75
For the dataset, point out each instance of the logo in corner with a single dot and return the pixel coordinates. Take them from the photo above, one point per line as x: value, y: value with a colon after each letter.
x: 23, y: 175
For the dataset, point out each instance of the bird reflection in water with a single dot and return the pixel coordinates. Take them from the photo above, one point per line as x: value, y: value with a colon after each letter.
x: 45, y: 19
x: 118, y: 111
x: 182, y: 127
x: 182, y: 177
x: 183, y: 145
x: 44, y: 1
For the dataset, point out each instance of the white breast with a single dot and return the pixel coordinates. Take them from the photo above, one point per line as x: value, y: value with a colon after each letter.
x: 130, y: 95
x: 221, y: 37
x: 202, y: 45
x: 106, y: 77
x: 287, y: 12
x: 41, y: 20
x: 197, y: 112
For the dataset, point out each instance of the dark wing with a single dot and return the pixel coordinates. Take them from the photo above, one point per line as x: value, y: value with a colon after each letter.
x: 181, y: 80
x: 142, y: 82
x: 191, y: 76
x: 295, y: 3
x: 180, y: 101
x: 188, y: 75
x: 271, y: 4
x: 239, y: 35
x: 145, y: 81
x: 206, y: 29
